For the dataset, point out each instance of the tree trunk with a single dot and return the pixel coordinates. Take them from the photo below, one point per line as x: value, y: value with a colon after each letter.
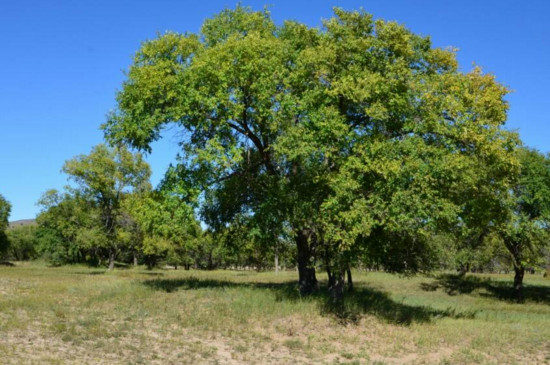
x: 331, y: 278
x: 276, y: 263
x: 350, y: 281
x: 135, y: 259
x: 518, y: 281
x: 464, y: 269
x: 111, y: 260
x: 210, y: 261
x: 307, y: 280
x: 337, y: 290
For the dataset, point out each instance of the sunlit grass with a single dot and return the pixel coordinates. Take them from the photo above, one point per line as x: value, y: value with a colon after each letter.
x: 80, y: 315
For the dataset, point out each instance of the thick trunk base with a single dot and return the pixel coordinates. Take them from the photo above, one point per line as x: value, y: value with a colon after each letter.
x: 307, y: 280
x: 336, y: 292
x: 331, y: 278
x: 518, y: 282
x: 350, y: 280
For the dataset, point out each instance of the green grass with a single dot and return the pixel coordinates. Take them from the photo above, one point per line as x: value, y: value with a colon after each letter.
x: 80, y: 315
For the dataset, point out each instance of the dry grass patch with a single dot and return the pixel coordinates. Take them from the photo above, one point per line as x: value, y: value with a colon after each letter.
x: 78, y: 315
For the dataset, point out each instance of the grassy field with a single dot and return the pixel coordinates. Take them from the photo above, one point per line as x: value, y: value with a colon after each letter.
x: 79, y: 315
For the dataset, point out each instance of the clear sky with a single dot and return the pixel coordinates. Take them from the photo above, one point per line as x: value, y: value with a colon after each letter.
x: 61, y: 63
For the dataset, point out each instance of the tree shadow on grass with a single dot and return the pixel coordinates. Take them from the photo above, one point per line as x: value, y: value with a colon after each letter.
x: 149, y: 273
x: 121, y: 272
x: 503, y: 290
x: 363, y: 300
x: 92, y: 273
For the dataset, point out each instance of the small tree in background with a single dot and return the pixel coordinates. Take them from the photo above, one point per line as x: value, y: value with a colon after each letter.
x: 5, y: 209
x: 525, y: 224
x: 104, y: 176
x: 69, y: 228
x: 167, y: 226
x: 23, y: 241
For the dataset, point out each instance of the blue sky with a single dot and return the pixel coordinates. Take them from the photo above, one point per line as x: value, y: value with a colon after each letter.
x: 61, y: 63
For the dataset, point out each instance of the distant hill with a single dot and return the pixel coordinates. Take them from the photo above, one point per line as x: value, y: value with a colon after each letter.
x: 22, y: 222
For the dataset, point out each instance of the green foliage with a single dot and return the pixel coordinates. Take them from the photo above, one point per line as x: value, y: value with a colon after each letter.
x: 68, y: 228
x: 524, y: 226
x: 359, y: 139
x: 513, y: 229
x: 23, y: 241
x: 5, y: 209
x: 167, y: 226
x: 113, y: 211
x: 488, y: 255
x: 81, y: 224
x: 103, y: 177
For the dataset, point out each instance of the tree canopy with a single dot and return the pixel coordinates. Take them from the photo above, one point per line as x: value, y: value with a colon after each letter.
x: 358, y: 136
x: 524, y: 222
x: 104, y: 176
x: 113, y: 212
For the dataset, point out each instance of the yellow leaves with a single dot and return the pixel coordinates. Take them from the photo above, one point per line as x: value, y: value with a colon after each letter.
x: 218, y: 155
x: 238, y: 22
x: 444, y: 58
x: 155, y: 245
x: 395, y: 37
x: 377, y: 111
x: 359, y: 85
